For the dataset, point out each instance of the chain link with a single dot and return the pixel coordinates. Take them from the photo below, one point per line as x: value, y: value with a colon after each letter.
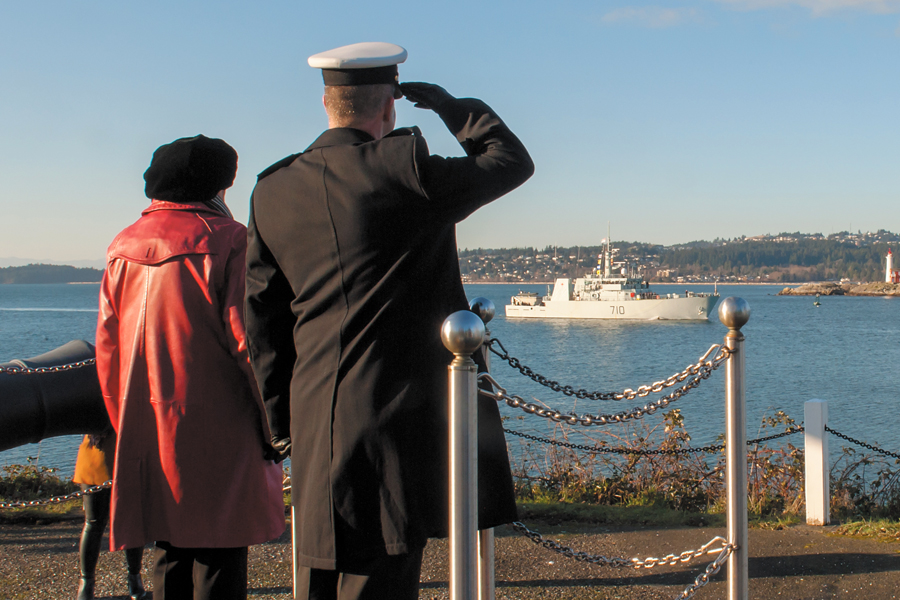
x: 602, y: 450
x: 711, y: 569
x: 721, y: 355
x: 637, y: 412
x: 676, y: 451
x: 594, y: 559
x: 648, y: 563
x: 791, y: 431
x: 286, y: 487
x: 863, y: 444
x: 53, y: 369
x: 57, y: 499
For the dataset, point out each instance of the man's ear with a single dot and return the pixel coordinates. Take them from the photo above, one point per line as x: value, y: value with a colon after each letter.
x: 324, y: 102
x: 388, y: 111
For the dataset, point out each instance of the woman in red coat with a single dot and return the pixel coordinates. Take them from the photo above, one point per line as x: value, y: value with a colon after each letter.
x: 190, y: 471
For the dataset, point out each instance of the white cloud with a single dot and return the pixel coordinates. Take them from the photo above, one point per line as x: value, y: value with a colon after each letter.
x: 655, y: 17
x: 820, y: 7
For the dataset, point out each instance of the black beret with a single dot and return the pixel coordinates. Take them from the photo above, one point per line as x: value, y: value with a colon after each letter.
x: 190, y: 169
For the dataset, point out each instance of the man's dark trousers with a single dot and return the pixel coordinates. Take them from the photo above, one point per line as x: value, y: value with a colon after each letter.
x: 199, y: 573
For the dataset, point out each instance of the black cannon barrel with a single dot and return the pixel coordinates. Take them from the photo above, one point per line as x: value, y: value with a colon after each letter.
x: 36, y: 406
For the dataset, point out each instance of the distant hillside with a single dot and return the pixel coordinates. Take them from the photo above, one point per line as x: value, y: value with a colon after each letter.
x: 49, y: 274
x: 15, y: 261
x: 786, y: 257
x: 784, y: 260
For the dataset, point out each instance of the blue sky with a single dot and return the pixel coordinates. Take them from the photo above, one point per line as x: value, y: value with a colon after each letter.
x: 673, y: 121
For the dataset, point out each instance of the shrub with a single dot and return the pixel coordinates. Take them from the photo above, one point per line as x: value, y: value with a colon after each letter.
x: 23, y: 483
x: 657, y: 466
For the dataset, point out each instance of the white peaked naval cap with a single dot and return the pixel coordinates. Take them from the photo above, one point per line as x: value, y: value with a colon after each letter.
x: 367, y: 63
x: 365, y: 55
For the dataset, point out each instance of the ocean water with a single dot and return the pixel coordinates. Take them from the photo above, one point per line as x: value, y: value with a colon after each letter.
x: 844, y: 351
x: 35, y: 319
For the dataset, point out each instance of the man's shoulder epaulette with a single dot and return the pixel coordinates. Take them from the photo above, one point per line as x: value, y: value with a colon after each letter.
x: 279, y: 165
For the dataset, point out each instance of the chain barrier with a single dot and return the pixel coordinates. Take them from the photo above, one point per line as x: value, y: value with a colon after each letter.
x: 711, y: 569
x: 863, y: 444
x: 648, y: 563
x: 54, y: 369
x: 791, y: 431
x: 58, y: 499
x: 603, y: 450
x: 721, y: 355
x: 515, y: 401
x: 285, y: 487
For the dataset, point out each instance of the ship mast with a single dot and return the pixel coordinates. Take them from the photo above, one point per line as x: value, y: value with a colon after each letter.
x: 607, y: 256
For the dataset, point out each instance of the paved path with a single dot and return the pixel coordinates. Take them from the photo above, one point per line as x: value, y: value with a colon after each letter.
x: 798, y: 563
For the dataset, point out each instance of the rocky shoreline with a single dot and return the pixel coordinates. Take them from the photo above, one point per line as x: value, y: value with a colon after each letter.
x: 843, y: 289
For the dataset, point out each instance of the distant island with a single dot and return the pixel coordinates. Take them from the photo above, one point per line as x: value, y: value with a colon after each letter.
x: 49, y: 274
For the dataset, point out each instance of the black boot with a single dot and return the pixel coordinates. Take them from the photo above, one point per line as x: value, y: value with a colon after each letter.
x: 136, y: 587
x: 86, y: 589
x: 89, y: 550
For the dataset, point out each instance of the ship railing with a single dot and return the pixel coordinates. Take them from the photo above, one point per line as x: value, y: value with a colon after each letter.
x: 472, y: 551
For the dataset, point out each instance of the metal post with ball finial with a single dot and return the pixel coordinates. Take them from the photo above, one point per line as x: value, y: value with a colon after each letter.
x: 463, y: 334
x: 734, y: 314
x: 484, y: 308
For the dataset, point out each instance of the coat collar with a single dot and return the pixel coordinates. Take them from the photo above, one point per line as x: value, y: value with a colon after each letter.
x: 198, y: 207
x: 341, y: 136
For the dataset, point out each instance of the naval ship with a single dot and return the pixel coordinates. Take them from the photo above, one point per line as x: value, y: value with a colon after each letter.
x: 602, y: 295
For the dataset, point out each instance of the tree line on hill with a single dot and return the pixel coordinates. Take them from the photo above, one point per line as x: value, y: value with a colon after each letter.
x: 807, y: 260
x: 49, y: 274
x: 783, y: 258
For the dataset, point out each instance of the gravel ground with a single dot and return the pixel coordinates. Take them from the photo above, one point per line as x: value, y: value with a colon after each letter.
x: 799, y: 563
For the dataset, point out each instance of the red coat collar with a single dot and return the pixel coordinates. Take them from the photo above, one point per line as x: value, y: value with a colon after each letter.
x: 188, y: 206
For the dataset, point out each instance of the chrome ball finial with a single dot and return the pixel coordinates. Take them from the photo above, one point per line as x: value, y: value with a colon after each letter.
x: 734, y: 312
x: 462, y: 332
x: 484, y: 308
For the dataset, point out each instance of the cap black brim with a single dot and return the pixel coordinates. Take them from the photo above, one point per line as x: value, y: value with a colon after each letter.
x: 371, y: 76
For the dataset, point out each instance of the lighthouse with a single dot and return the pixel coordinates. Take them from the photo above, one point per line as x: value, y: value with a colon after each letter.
x: 890, y: 275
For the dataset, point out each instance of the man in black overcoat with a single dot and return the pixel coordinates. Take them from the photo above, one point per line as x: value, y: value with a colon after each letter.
x: 352, y: 267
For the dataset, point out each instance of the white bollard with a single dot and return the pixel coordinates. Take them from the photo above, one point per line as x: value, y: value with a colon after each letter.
x: 816, y: 471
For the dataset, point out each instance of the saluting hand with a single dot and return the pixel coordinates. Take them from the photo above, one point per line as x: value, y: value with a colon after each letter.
x: 425, y: 95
